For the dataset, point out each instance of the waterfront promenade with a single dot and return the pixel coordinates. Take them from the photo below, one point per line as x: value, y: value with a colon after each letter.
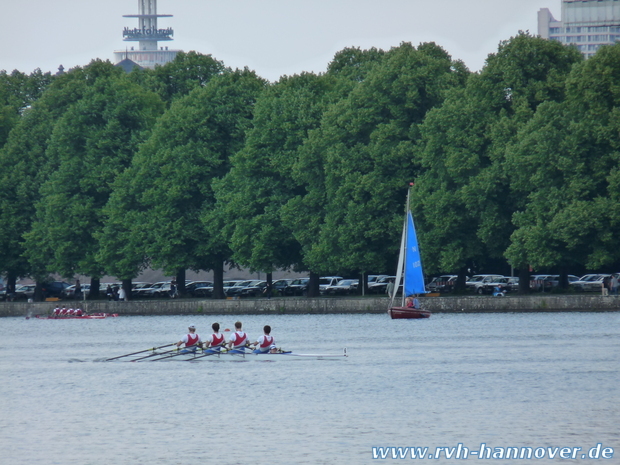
x: 326, y: 305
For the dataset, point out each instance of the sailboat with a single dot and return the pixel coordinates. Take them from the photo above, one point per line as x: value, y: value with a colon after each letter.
x: 410, y: 269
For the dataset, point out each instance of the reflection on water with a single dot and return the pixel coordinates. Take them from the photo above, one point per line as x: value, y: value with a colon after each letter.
x: 502, y: 379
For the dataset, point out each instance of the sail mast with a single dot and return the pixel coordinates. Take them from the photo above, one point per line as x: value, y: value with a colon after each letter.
x: 400, y: 269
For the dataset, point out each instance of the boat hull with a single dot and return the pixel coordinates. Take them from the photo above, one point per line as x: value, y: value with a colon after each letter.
x: 408, y: 313
x: 200, y: 355
x: 96, y: 316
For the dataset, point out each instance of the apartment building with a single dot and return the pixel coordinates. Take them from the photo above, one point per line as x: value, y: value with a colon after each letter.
x: 585, y: 24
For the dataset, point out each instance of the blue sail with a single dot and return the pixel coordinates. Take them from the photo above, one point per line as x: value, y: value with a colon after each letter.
x: 414, y: 278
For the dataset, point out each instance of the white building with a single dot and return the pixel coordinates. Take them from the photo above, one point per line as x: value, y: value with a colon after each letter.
x: 586, y: 24
x: 147, y: 53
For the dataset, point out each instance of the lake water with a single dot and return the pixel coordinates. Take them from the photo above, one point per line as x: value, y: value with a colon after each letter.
x: 506, y: 380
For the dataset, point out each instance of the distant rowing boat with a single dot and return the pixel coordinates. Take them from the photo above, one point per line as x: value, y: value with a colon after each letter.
x: 92, y: 316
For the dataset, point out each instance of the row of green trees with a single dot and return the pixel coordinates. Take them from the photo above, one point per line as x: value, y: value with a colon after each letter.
x: 194, y: 165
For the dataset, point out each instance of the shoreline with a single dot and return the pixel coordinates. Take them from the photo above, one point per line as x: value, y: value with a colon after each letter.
x: 325, y: 305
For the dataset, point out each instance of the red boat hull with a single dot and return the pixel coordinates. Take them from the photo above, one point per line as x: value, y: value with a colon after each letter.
x: 94, y: 316
x: 397, y: 313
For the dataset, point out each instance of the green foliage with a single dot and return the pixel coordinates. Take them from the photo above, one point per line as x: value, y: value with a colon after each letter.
x: 180, y: 76
x: 192, y: 164
x: 463, y: 199
x: 25, y: 154
x: 251, y: 196
x: 168, y: 189
x: 357, y: 164
x: 93, y: 141
x: 566, y: 165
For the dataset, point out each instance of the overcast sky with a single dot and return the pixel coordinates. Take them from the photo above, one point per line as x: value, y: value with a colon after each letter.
x: 272, y: 37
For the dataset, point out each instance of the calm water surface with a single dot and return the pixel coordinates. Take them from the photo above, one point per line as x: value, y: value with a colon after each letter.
x: 535, y: 380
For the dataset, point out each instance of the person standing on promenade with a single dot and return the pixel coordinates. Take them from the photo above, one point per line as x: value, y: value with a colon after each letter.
x: 614, y: 284
x: 238, y: 339
x: 605, y: 286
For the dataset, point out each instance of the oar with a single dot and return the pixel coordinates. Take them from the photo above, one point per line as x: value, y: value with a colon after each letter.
x: 141, y: 352
x: 155, y: 355
x: 171, y: 355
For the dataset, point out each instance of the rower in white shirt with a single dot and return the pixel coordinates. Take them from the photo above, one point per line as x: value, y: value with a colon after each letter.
x: 238, y: 340
x: 215, y: 341
x: 191, y: 340
x: 265, y: 343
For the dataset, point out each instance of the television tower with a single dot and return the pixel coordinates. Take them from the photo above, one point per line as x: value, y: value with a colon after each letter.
x: 147, y: 34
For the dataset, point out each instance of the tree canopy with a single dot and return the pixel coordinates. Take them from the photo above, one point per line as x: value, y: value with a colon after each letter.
x: 193, y: 165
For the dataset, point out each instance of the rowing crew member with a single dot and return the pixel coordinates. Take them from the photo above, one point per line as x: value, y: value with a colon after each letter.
x: 191, y: 340
x: 238, y: 340
x: 265, y: 343
x: 216, y: 340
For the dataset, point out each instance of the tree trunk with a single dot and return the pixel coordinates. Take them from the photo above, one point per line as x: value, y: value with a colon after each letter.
x: 218, y: 280
x: 11, y: 281
x: 269, y: 287
x: 459, y: 286
x: 93, y: 294
x: 313, y: 285
x: 563, y: 280
x: 362, y: 288
x: 126, y: 283
x: 181, y: 281
x: 38, y: 292
x: 524, y: 280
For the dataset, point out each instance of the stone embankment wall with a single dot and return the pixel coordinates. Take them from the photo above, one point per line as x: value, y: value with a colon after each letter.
x: 473, y: 304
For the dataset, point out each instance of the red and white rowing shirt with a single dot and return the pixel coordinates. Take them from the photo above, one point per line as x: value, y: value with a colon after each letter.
x: 265, y: 343
x: 216, y: 339
x: 191, y: 339
x: 238, y: 338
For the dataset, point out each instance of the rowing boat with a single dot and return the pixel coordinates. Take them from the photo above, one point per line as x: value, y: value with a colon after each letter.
x: 233, y: 355
x: 92, y: 316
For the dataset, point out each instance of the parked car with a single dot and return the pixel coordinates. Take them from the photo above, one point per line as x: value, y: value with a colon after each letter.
x: 157, y: 290
x: 477, y: 282
x: 190, y: 288
x: 506, y: 283
x: 343, y: 287
x: 281, y: 286
x: 589, y: 283
x: 554, y: 280
x: 254, y: 289
x: 22, y: 292
x: 203, y: 291
x: 540, y: 282
x: 443, y: 283
x: 236, y: 288
x: 298, y: 286
x: 373, y: 278
x: 69, y: 292
x: 136, y: 288
x: 380, y: 285
x: 54, y: 289
x: 326, y: 281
